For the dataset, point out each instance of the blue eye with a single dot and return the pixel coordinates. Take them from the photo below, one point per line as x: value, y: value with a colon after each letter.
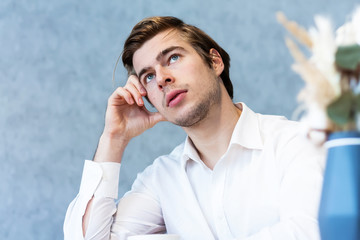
x: 174, y: 58
x: 149, y: 77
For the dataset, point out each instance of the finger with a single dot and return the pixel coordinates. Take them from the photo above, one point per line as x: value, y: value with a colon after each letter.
x: 136, y: 82
x: 135, y: 93
x: 156, y: 117
x: 121, y: 94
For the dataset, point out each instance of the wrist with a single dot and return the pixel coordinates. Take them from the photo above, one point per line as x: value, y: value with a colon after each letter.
x: 110, y: 148
x: 114, y: 137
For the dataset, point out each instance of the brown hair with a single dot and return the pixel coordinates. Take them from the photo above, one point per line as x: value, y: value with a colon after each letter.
x: 199, y: 40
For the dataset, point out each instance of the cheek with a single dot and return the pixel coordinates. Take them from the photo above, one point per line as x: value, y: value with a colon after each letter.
x: 198, y: 71
x: 150, y: 92
x: 155, y: 99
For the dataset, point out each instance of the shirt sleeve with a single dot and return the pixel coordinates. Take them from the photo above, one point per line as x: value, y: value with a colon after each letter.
x: 138, y: 212
x: 99, y: 180
x: 301, y: 185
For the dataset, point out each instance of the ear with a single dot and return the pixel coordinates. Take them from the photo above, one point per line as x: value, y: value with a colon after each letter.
x: 217, y: 62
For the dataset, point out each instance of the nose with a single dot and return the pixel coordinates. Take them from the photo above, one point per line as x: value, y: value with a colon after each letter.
x: 163, y: 77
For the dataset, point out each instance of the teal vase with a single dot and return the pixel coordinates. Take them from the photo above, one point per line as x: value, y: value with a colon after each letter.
x: 340, y: 202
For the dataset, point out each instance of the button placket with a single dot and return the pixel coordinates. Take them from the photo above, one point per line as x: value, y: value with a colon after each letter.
x: 218, y: 184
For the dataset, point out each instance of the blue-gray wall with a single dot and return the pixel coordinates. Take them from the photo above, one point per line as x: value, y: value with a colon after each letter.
x: 56, y: 63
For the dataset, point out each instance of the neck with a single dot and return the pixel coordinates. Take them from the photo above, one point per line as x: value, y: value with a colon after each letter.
x: 212, y: 135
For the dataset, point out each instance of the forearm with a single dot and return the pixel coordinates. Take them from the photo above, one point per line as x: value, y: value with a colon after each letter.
x: 101, y: 218
x: 86, y: 217
x: 110, y: 149
x: 99, y: 187
x: 126, y: 117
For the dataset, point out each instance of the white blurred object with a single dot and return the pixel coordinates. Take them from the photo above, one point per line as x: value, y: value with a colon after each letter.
x: 155, y: 237
x: 323, y: 51
x: 349, y: 33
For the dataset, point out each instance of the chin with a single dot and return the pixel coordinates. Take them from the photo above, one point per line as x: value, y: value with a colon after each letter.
x: 190, y: 119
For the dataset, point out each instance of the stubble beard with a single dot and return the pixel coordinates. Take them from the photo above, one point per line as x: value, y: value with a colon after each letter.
x: 201, y: 110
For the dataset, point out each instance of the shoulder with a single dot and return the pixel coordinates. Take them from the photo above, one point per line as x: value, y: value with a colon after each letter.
x: 165, y: 164
x: 286, y: 136
x: 278, y: 123
x: 172, y: 159
x: 289, y: 140
x: 270, y: 128
x: 279, y: 128
x: 164, y: 172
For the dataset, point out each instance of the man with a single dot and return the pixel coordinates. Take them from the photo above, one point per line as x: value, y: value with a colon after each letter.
x: 238, y: 175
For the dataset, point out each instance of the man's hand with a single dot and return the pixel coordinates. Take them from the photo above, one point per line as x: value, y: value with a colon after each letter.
x: 126, y: 117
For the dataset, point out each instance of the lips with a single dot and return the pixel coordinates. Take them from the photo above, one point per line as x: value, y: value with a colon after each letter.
x: 174, y: 97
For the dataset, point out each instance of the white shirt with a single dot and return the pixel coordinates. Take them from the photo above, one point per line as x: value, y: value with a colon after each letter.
x: 266, y: 186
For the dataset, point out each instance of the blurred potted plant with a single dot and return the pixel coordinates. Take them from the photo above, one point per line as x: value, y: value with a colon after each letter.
x: 330, y: 102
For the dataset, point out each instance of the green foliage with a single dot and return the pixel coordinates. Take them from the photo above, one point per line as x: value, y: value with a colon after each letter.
x: 343, y: 110
x: 348, y: 57
x: 357, y: 103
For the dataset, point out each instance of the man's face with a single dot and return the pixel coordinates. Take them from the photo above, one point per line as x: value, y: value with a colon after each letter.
x: 180, y: 85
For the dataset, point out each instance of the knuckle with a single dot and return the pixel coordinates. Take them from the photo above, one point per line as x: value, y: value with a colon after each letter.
x: 133, y: 77
x: 134, y: 80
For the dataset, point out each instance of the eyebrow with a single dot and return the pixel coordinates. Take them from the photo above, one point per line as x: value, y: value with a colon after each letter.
x: 160, y: 56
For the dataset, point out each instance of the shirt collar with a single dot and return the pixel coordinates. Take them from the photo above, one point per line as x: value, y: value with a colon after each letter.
x: 247, y: 130
x: 189, y: 152
x: 246, y: 134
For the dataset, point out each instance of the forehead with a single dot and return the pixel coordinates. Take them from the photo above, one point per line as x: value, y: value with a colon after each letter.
x: 148, y: 52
